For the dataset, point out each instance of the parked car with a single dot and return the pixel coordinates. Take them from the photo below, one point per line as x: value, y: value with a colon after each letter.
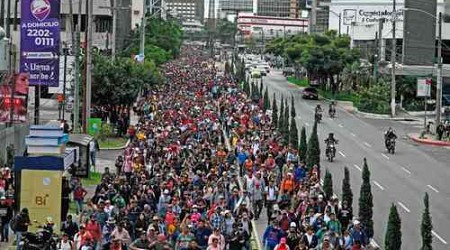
x: 288, y: 71
x: 310, y: 93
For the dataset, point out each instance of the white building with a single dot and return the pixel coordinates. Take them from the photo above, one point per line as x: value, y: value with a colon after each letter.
x: 359, y: 18
x: 269, y: 27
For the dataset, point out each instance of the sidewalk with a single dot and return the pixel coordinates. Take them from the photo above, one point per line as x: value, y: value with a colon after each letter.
x: 429, y: 140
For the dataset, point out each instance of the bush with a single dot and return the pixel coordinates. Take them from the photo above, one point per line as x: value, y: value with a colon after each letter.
x: 299, y: 82
x: 375, y: 99
x: 417, y: 105
x: 340, y: 96
x: 106, y: 131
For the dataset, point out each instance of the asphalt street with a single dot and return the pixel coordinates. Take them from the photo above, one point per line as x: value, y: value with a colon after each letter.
x: 401, y: 179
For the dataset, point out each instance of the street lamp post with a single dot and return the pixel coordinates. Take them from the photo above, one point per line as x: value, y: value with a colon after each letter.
x: 439, y: 63
x: 339, y: 15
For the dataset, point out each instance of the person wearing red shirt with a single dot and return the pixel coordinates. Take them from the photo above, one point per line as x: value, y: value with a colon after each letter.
x: 93, y: 227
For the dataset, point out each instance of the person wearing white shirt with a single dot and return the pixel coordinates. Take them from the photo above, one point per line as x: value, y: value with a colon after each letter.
x: 65, y: 243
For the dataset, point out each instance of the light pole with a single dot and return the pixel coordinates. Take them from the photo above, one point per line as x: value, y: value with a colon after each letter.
x: 439, y: 62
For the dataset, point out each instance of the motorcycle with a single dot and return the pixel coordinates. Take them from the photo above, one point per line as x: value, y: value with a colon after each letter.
x: 43, y: 239
x: 390, y: 145
x: 318, y: 117
x: 331, y: 152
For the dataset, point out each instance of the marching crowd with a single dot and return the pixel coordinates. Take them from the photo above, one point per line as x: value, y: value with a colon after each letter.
x: 203, y: 162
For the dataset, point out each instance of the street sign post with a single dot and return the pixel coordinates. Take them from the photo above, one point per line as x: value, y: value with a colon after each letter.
x: 424, y: 90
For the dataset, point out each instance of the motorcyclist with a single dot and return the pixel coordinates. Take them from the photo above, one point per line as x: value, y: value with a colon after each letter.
x: 330, y: 141
x: 318, y: 111
x: 389, y: 135
x: 332, y: 108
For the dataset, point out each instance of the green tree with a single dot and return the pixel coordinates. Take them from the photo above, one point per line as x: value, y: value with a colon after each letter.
x: 274, y: 111
x: 281, y: 117
x: 118, y: 81
x: 293, y: 113
x: 303, y: 146
x: 426, y: 227
x: 293, y: 133
x: 266, y: 99
x: 347, y: 193
x: 366, y: 201
x: 261, y: 87
x: 393, y: 238
x: 285, y: 129
x: 328, y: 185
x: 313, y: 153
x: 163, y: 39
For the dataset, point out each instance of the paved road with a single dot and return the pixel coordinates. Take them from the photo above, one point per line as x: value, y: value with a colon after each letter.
x: 402, y: 178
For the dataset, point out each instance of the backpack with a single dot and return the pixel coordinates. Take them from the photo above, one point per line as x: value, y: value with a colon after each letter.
x: 14, y: 222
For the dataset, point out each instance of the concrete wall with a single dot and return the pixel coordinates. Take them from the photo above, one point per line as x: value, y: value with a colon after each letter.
x: 14, y: 135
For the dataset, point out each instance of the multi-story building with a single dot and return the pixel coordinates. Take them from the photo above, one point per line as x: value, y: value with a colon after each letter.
x: 231, y: 7
x: 277, y: 8
x: 186, y: 10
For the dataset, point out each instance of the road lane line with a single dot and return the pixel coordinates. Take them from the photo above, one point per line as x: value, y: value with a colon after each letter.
x: 357, y: 167
x: 353, y: 134
x: 385, y: 156
x: 433, y: 188
x: 406, y: 170
x: 367, y: 144
x: 378, y: 185
x: 343, y: 155
x: 340, y: 125
x: 321, y: 182
x: 439, y: 237
x: 307, y: 124
x: 404, y: 207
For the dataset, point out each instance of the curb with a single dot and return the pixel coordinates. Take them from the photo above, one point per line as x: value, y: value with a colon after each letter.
x: 118, y: 148
x: 415, y: 138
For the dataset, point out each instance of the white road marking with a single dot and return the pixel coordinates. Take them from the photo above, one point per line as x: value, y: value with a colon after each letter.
x: 404, y: 207
x: 385, y: 156
x: 367, y: 145
x: 307, y: 124
x: 330, y: 119
x: 357, y: 167
x: 353, y: 134
x: 321, y: 182
x: 378, y: 185
x: 406, y: 170
x: 439, y: 237
x: 340, y: 125
x: 433, y: 188
x: 375, y: 244
x: 343, y: 155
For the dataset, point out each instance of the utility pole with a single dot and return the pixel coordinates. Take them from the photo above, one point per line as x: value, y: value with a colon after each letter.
x: 2, y: 13
x: 117, y: 5
x: 76, y: 97
x: 143, y: 22
x: 439, y: 73
x: 393, y: 59
x: 8, y: 20
x: 72, y: 31
x: 87, y: 91
x: 379, y: 45
x: 313, y: 16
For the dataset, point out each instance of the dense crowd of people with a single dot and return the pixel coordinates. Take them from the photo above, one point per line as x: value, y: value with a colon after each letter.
x: 203, y: 162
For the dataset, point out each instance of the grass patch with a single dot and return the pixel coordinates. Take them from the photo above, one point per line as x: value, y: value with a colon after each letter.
x: 340, y: 96
x: 299, y: 82
x: 93, y: 180
x: 112, y: 142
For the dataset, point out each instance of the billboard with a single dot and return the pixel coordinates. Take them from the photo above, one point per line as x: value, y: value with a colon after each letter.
x: 40, y: 41
x: 40, y: 192
x: 16, y: 103
x: 424, y: 87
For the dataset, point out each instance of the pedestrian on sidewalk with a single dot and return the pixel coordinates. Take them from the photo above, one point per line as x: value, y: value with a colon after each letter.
x: 93, y: 149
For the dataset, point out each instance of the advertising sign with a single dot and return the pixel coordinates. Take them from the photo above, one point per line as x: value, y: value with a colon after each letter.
x: 40, y: 40
x: 423, y: 87
x: 40, y: 192
x: 15, y: 103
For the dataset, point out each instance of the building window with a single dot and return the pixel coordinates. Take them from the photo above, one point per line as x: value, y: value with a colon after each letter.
x: 103, y: 24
